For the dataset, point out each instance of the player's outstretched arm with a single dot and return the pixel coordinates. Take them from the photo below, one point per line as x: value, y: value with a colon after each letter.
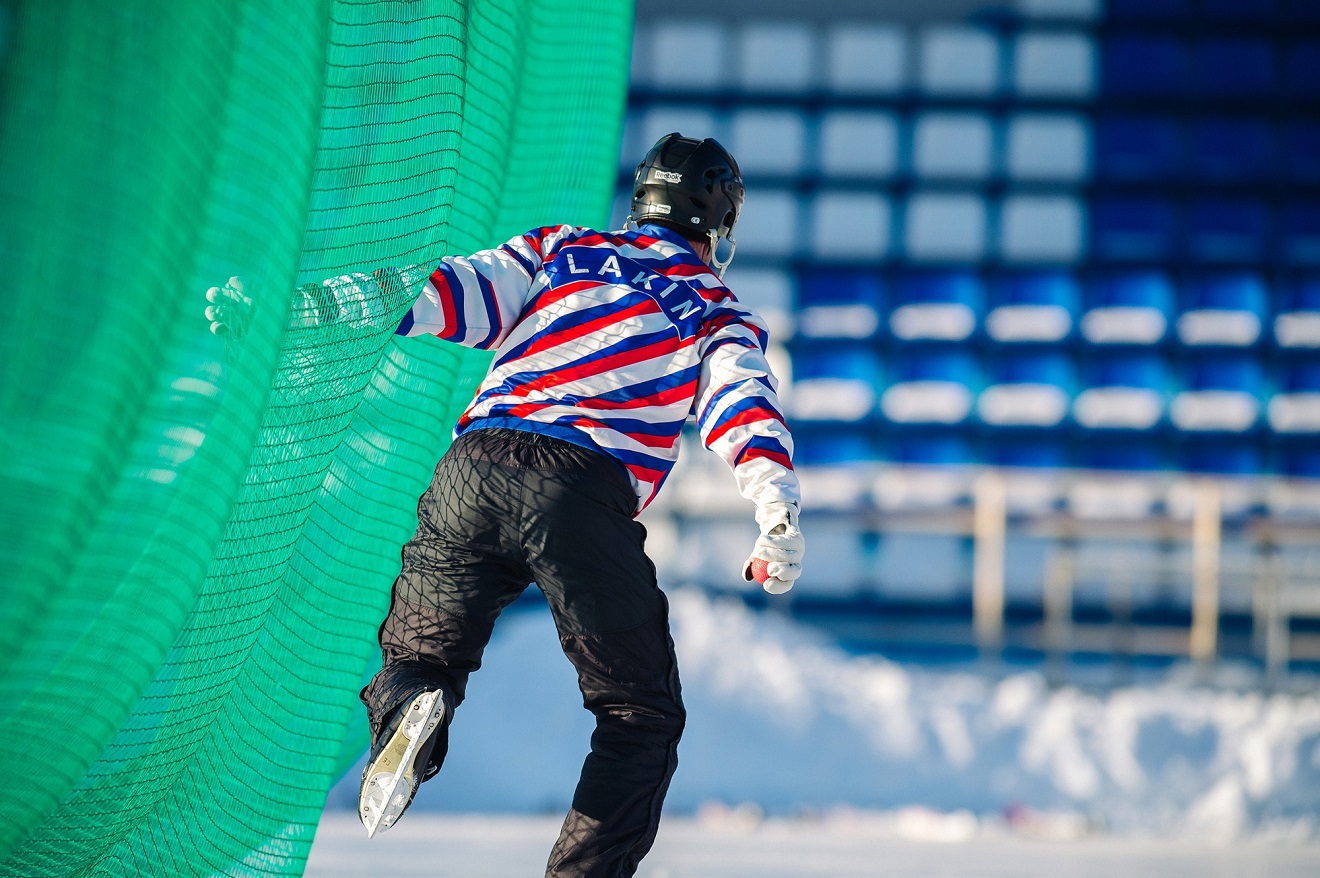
x: 362, y: 300
x: 471, y: 300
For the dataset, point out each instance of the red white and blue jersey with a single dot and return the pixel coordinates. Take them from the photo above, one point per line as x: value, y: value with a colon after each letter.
x: 612, y: 340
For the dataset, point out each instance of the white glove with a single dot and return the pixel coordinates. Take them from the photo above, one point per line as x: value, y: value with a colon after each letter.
x: 780, y: 546
x: 230, y: 310
x: 338, y: 299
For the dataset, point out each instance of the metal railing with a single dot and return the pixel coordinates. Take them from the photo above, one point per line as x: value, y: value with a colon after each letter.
x: 1122, y: 534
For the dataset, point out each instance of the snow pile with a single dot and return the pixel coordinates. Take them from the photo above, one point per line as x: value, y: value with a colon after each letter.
x: 786, y: 723
x: 798, y: 724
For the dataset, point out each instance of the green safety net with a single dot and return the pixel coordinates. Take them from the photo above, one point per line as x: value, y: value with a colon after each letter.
x: 198, y: 536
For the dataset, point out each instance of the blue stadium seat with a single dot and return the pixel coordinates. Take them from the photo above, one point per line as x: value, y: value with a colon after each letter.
x: 953, y: 145
x: 1231, y: 290
x: 1237, y: 10
x: 1300, y: 375
x: 1027, y: 388
x: 1144, y: 65
x: 1120, y: 451
x: 1235, y: 68
x: 684, y: 56
x: 1304, y: 69
x: 1021, y: 449
x: 1302, y: 151
x: 1127, y: 308
x: 1054, y: 64
x: 1231, y: 150
x: 1300, y: 458
x: 1221, y: 393
x: 775, y: 57
x: 1299, y: 233
x: 1225, y: 230
x: 848, y: 226
x: 818, y: 286
x: 1042, y: 229
x: 1050, y: 366
x: 768, y: 143
x: 1218, y: 454
x: 834, y: 383
x: 1024, y: 406
x: 1048, y: 146
x: 1138, y: 148
x: 839, y: 303
x: 931, y: 384
x: 833, y: 445
x: 1143, y: 369
x: 959, y: 60
x: 1122, y: 390
x: 1297, y: 313
x: 1032, y: 307
x: 1133, y: 229
x: 863, y: 58
x: 1299, y: 293
x: 937, y: 306
x: 1295, y: 408
x: 768, y: 225
x: 1119, y: 10
x: 932, y: 447
x: 1220, y: 370
x: 858, y: 144
x: 945, y: 227
x: 1223, y: 309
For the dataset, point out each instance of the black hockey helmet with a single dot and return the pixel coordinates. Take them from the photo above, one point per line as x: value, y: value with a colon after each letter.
x: 691, y: 186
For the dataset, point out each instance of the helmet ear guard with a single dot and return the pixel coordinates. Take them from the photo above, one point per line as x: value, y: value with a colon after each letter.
x: 719, y: 265
x: 691, y: 186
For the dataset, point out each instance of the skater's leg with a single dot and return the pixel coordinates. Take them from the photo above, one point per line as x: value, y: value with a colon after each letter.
x: 433, y: 637
x: 629, y: 680
x: 587, y: 555
x: 459, y: 572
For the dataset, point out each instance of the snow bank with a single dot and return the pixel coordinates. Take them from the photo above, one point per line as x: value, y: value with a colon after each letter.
x: 798, y: 724
x: 787, y: 723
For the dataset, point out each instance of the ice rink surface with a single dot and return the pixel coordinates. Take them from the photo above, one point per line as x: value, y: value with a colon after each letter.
x: 438, y: 845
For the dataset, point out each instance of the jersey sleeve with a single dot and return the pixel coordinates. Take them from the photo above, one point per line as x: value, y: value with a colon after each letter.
x: 737, y: 408
x: 476, y: 300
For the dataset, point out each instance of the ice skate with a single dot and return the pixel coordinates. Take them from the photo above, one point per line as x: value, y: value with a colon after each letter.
x: 395, y: 770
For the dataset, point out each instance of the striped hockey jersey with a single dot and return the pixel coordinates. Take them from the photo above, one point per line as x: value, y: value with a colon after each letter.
x: 611, y: 340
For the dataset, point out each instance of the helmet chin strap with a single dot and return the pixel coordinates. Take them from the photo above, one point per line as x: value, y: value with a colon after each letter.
x: 714, y: 262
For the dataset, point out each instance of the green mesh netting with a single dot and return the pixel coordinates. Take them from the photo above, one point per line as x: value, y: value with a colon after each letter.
x: 197, y: 538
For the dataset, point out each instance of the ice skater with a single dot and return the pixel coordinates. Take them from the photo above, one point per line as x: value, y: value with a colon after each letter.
x: 605, y: 343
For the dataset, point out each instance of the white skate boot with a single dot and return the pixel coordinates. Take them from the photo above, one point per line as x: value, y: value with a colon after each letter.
x: 395, y: 769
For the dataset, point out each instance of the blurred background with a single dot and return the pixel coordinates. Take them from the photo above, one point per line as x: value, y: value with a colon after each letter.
x: 1043, y: 278
x: 1044, y: 282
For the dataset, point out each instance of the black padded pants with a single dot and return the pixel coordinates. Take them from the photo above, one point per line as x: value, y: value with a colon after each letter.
x: 508, y: 507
